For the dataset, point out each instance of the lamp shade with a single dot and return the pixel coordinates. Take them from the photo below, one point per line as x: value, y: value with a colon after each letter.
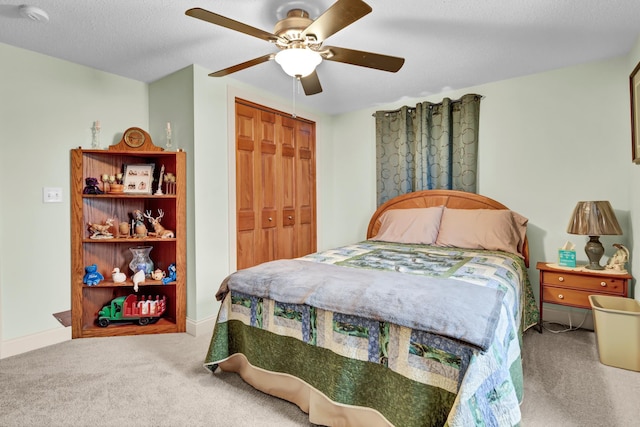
x: 594, y: 219
x: 298, y: 62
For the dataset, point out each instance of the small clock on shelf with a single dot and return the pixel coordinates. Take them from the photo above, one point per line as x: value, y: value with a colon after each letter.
x: 135, y: 139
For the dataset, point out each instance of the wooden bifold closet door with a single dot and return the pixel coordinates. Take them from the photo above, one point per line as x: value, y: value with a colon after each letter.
x: 275, y: 185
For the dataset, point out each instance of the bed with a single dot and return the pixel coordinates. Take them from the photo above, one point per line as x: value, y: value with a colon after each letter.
x: 419, y: 325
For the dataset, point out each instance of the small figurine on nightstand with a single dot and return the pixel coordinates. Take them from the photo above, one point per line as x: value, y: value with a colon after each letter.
x: 172, y: 274
x: 92, y: 276
x: 619, y: 259
x: 92, y: 186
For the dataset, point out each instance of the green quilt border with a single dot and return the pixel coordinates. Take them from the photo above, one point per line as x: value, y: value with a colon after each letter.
x: 402, y: 401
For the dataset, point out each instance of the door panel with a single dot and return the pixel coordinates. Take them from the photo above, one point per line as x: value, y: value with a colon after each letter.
x: 247, y: 238
x: 275, y: 173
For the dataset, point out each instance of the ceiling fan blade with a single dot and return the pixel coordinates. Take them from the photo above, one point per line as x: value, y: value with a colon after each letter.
x: 341, y: 14
x: 311, y: 84
x: 242, y: 66
x: 363, y: 59
x: 214, y: 18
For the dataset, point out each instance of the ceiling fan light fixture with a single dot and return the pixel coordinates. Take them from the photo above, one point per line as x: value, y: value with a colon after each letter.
x: 33, y: 13
x: 298, y: 62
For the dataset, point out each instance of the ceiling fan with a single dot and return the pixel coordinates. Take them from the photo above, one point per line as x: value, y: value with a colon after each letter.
x: 300, y: 39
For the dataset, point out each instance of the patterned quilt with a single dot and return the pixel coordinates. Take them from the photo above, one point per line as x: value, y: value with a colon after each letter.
x: 412, y: 377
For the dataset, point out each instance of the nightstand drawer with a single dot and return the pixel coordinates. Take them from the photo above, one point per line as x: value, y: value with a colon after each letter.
x: 566, y: 296
x: 606, y: 284
x: 572, y: 287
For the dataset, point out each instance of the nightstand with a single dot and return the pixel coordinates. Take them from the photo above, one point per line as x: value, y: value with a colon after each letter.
x: 572, y: 286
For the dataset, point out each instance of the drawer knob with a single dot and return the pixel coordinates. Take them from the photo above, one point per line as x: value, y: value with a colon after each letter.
x: 290, y: 217
x: 560, y: 296
x: 270, y: 219
x: 560, y: 279
x: 603, y: 284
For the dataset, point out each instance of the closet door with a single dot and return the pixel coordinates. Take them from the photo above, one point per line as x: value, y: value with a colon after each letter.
x: 267, y: 187
x: 287, y: 233
x: 275, y: 185
x: 305, y: 189
x: 247, y: 183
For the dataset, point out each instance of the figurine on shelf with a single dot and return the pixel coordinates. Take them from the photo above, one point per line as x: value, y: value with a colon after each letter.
x: 115, y: 183
x: 124, y: 229
x: 92, y: 276
x: 619, y: 259
x: 101, y: 231
x: 160, y: 181
x: 158, y: 274
x: 170, y: 183
x: 139, y: 229
x: 92, y: 186
x: 158, y: 229
x: 172, y: 275
x: 137, y: 279
x: 118, y: 276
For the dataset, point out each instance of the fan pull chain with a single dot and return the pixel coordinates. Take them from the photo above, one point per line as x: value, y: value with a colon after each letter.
x: 295, y: 84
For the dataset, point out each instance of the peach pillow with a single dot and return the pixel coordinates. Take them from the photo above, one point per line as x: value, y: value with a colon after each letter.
x: 491, y: 229
x: 415, y: 225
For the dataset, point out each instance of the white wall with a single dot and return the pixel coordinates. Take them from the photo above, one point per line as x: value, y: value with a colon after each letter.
x: 47, y: 107
x: 171, y: 100
x: 547, y: 141
x: 634, y: 178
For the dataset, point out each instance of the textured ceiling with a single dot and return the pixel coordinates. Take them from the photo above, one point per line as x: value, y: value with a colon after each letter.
x: 447, y: 44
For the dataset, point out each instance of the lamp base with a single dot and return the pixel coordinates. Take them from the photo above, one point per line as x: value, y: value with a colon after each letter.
x: 594, y: 250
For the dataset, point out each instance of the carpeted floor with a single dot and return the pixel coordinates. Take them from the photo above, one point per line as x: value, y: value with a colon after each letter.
x: 566, y: 385
x: 159, y: 381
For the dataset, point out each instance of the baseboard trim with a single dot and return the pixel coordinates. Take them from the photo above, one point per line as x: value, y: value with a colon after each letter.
x: 32, y: 342
x: 27, y: 343
x: 201, y: 327
x: 568, y: 316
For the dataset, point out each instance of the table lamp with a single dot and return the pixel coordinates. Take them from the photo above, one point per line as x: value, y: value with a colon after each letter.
x: 594, y: 219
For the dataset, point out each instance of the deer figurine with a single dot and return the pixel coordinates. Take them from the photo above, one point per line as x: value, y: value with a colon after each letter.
x: 158, y: 229
x: 101, y: 231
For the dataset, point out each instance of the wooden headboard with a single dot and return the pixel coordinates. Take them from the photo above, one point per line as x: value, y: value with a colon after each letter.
x: 450, y: 198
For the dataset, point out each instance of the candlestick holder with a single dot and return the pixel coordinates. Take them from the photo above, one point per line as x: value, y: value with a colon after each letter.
x: 169, y: 144
x: 95, y: 135
x: 105, y: 179
x: 160, y: 180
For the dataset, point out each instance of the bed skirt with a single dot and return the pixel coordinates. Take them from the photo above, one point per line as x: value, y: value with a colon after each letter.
x: 321, y: 409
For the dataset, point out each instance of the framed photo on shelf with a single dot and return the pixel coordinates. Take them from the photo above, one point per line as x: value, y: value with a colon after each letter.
x: 634, y: 86
x: 138, y: 179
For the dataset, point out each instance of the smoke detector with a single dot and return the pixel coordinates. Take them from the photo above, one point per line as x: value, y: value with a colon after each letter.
x: 33, y: 13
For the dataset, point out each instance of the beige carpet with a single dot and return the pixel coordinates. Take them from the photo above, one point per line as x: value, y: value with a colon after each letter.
x: 566, y: 385
x: 159, y: 381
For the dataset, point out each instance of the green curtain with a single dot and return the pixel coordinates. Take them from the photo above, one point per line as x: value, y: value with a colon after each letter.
x: 429, y: 146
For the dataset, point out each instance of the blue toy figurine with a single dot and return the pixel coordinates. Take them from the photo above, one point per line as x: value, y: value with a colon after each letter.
x: 172, y: 275
x: 92, y: 276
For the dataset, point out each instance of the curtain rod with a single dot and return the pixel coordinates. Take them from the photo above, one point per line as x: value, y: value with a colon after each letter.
x: 413, y: 108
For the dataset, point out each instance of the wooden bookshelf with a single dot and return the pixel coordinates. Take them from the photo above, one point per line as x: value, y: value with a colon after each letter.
x: 110, y: 252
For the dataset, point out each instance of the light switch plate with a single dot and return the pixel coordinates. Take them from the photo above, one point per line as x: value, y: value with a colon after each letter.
x: 51, y: 195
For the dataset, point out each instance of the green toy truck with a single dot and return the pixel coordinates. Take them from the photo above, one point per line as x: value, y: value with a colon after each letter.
x: 129, y: 309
